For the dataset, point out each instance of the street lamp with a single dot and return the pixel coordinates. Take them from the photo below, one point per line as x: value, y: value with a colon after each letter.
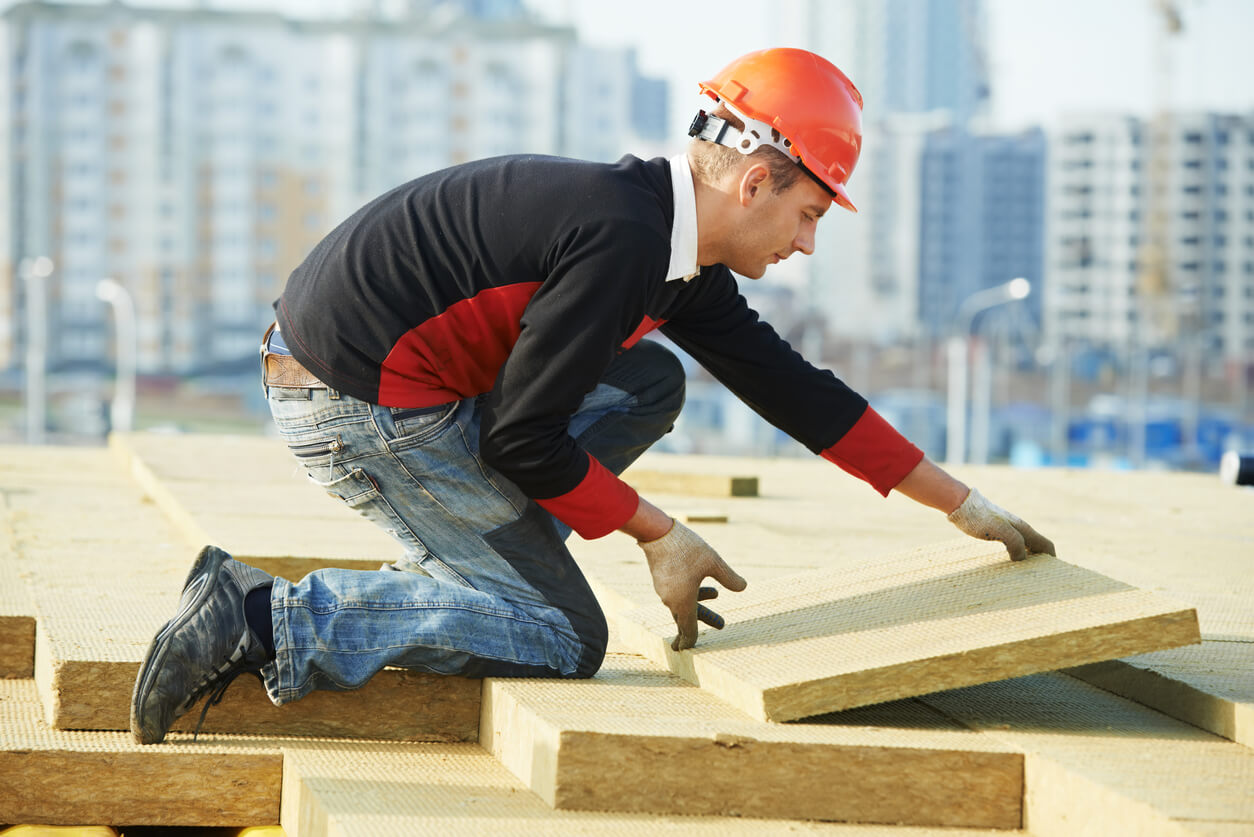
x: 958, y: 349
x: 34, y: 273
x: 122, y: 410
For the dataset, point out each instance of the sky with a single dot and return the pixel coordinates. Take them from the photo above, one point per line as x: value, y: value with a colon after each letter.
x: 1047, y: 56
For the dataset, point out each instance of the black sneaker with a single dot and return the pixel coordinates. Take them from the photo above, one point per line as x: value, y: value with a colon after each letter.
x: 202, y: 649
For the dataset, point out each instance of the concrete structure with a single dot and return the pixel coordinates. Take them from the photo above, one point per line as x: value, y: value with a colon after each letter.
x: 196, y: 155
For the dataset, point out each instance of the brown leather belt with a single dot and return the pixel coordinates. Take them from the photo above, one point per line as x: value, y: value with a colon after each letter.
x: 280, y: 370
x: 285, y: 371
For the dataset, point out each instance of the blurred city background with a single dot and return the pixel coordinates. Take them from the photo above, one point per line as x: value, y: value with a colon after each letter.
x: 1053, y: 262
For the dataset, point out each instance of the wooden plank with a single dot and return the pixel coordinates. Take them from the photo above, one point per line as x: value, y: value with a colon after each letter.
x: 359, y: 789
x: 1100, y: 764
x: 1209, y: 685
x: 66, y: 778
x: 624, y: 740
x: 927, y: 620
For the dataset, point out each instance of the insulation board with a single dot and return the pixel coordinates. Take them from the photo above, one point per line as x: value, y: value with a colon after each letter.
x: 1209, y: 685
x: 1099, y: 764
x: 697, y: 484
x: 623, y: 740
x: 68, y: 778
x: 17, y: 619
x: 350, y: 789
x: 272, y: 518
x: 104, y: 580
x: 921, y: 622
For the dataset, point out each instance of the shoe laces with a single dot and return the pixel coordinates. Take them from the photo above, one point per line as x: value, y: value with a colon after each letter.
x: 223, y: 676
x: 219, y: 689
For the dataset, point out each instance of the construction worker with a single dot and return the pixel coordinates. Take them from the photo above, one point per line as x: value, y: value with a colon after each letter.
x: 461, y: 361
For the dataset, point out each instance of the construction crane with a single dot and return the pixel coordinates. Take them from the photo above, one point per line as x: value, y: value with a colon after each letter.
x: 1154, y: 284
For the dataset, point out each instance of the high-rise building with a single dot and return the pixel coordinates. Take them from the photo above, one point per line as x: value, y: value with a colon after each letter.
x: 920, y: 66
x: 982, y: 202
x: 196, y: 155
x: 1098, y: 222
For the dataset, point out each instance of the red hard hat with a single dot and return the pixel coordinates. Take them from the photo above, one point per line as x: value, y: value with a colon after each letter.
x: 808, y: 100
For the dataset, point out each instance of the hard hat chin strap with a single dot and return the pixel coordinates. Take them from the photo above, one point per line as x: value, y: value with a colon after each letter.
x: 755, y: 135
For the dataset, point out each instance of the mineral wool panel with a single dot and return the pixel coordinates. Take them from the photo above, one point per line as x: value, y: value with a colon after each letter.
x: 101, y: 596
x: 248, y: 496
x: 362, y: 789
x: 17, y: 616
x: 1101, y: 764
x: 618, y: 742
x: 68, y: 778
x: 1209, y: 685
x: 928, y: 620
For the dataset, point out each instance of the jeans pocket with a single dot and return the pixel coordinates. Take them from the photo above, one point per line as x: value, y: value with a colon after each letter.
x: 405, y: 426
x: 355, y: 488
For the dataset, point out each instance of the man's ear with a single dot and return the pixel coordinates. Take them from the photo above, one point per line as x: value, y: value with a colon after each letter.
x: 753, y: 182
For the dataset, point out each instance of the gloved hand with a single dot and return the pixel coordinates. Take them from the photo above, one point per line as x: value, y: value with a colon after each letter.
x: 679, y: 561
x: 981, y: 519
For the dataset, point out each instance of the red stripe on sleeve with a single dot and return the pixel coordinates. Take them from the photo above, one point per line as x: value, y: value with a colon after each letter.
x: 600, y: 504
x: 647, y: 325
x: 874, y: 451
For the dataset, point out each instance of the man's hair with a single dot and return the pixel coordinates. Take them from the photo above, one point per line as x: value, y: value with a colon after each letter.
x: 711, y: 161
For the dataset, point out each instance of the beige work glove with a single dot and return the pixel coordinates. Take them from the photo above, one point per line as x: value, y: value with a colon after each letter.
x: 679, y: 561
x: 981, y: 519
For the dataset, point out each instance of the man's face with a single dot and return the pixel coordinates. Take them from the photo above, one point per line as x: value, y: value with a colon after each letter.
x: 774, y: 226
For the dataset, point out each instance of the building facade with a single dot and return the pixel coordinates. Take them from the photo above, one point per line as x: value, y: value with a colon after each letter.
x: 1099, y: 286
x: 196, y: 155
x: 920, y: 65
x: 981, y: 207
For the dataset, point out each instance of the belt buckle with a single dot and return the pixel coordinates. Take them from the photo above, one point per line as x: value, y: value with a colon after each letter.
x: 261, y: 354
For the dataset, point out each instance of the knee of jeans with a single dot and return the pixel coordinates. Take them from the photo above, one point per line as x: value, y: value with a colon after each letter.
x: 666, y: 379
x: 594, y: 638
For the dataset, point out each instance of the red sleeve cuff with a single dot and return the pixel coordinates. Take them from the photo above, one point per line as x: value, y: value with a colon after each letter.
x: 875, y: 452
x: 600, y: 504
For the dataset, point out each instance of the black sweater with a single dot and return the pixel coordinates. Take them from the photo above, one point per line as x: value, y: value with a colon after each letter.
x: 524, y: 276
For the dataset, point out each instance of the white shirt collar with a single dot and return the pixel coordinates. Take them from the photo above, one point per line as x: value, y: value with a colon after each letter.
x: 683, y: 263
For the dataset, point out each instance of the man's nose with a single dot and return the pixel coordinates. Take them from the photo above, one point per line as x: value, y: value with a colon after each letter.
x: 804, y: 241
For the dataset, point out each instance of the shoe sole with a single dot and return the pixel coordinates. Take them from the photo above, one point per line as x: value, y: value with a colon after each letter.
x: 204, y: 572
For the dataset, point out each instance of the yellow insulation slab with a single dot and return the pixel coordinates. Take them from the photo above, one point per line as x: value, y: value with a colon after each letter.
x: 623, y: 740
x: 1209, y: 685
x: 67, y: 778
x: 1100, y: 764
x: 377, y: 790
x: 17, y: 614
x: 928, y: 620
x: 249, y: 496
x: 103, y: 582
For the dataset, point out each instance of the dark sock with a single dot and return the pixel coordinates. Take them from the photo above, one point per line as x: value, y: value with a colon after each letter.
x: 257, y: 615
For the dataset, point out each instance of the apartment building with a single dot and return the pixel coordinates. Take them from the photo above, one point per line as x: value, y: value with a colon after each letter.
x: 1099, y: 288
x: 196, y: 155
x: 981, y: 210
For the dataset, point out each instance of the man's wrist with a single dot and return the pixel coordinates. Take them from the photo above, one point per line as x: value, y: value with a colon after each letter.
x: 648, y: 523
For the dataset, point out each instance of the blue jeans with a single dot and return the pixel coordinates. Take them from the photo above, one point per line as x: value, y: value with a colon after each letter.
x: 486, y: 585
